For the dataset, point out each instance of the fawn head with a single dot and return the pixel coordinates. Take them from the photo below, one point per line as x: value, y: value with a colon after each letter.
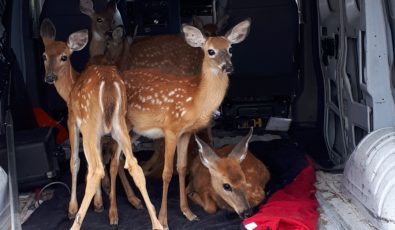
x: 210, y: 29
x: 227, y: 177
x: 218, y: 49
x: 57, y: 53
x: 103, y: 22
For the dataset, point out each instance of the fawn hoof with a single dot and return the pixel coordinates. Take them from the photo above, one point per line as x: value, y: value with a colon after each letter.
x: 135, y: 202
x: 190, y: 216
x: 99, y: 209
x: 114, y: 226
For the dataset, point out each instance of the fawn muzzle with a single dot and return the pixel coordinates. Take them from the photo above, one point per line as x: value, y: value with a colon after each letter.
x: 246, y: 213
x: 227, y: 68
x: 50, y: 78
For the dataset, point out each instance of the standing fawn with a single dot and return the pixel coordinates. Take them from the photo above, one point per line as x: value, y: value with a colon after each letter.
x: 227, y: 178
x: 174, y: 107
x: 96, y: 102
x: 102, y: 23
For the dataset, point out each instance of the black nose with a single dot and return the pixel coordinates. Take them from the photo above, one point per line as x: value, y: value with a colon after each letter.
x: 108, y: 34
x: 227, y: 68
x: 50, y: 79
x: 246, y: 213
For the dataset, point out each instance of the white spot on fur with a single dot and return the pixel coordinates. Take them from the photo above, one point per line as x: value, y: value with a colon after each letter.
x: 101, y: 96
x: 188, y: 99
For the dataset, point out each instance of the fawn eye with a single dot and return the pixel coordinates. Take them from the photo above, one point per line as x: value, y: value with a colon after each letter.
x: 44, y: 57
x: 211, y: 52
x: 99, y: 20
x: 227, y: 187
x: 63, y: 58
x: 230, y: 50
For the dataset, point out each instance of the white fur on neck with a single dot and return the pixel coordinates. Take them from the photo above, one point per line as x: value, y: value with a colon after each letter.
x: 97, y: 36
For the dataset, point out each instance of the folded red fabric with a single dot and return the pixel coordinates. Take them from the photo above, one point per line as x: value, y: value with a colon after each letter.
x: 292, y: 208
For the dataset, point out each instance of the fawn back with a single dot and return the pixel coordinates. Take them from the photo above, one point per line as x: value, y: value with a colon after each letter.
x: 231, y: 176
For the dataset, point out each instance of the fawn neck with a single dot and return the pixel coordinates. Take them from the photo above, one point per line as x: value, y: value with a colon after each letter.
x: 212, y: 88
x: 67, y: 78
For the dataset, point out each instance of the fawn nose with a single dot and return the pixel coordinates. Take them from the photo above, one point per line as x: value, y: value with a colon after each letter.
x: 51, y: 78
x: 227, y: 68
x: 108, y: 34
x: 246, y: 213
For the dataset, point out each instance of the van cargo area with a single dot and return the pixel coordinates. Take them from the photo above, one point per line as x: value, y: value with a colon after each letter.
x: 242, y: 114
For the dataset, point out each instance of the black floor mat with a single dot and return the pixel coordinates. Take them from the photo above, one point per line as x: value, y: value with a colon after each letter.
x: 282, y: 157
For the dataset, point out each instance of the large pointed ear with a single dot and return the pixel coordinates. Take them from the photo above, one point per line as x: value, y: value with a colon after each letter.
x: 239, y: 32
x: 78, y: 40
x: 47, y: 31
x: 112, y: 4
x: 206, y: 153
x: 118, y: 34
x: 197, y: 21
x: 221, y: 22
x: 239, y: 152
x: 86, y: 7
x: 193, y: 36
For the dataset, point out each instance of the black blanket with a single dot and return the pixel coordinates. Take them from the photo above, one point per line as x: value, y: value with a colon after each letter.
x: 283, y: 159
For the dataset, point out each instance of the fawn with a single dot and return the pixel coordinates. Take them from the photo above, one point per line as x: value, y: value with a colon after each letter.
x: 103, y: 22
x: 227, y: 178
x: 105, y: 27
x: 96, y: 102
x: 174, y: 107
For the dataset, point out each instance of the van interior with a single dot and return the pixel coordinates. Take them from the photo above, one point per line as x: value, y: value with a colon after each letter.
x: 312, y: 78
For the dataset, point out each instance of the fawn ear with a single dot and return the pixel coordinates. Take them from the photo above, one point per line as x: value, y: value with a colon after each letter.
x: 193, y: 36
x: 78, y: 40
x: 239, y: 152
x: 221, y: 22
x: 86, y: 7
x: 206, y: 153
x: 239, y: 32
x: 47, y: 31
x: 112, y: 4
x: 197, y: 21
x: 118, y: 34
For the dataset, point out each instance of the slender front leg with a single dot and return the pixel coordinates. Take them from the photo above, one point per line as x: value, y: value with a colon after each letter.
x: 170, y: 148
x: 204, y: 201
x: 132, y: 198
x: 74, y: 165
x: 182, y: 157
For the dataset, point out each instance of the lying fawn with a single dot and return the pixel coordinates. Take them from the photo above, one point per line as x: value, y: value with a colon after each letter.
x: 173, y: 107
x: 227, y: 178
x: 103, y: 22
x: 96, y: 103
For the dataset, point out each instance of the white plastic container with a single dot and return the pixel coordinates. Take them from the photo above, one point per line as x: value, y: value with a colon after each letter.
x: 5, y: 216
x: 369, y: 178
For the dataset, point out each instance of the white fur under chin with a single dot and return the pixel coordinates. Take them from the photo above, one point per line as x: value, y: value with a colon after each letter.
x: 97, y: 36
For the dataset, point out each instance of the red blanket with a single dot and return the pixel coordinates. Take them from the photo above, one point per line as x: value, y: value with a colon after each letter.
x: 292, y: 208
